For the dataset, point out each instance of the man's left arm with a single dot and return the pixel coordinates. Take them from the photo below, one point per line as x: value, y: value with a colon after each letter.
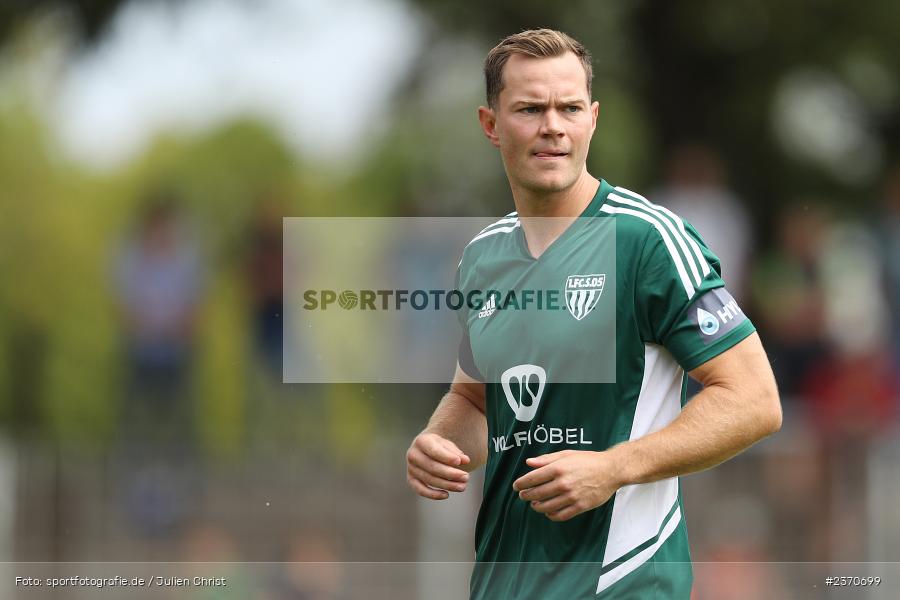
x: 737, y: 407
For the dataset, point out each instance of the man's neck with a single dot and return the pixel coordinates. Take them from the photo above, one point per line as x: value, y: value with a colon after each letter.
x: 570, y: 202
x: 560, y: 209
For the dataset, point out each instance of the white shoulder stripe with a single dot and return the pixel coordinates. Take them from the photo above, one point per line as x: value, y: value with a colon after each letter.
x: 675, y: 234
x: 676, y: 257
x: 704, y: 266
x: 511, y: 218
x: 503, y: 221
x: 485, y: 234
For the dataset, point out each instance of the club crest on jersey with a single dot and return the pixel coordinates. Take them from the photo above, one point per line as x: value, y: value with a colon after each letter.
x: 582, y: 293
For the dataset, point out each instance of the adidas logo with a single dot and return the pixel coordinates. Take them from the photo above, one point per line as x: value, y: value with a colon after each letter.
x: 490, y: 307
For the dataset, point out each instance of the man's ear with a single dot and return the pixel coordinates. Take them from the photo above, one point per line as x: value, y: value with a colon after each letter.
x: 488, y: 120
x: 595, y: 110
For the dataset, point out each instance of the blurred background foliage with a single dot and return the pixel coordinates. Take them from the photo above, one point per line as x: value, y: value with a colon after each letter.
x: 799, y: 100
x: 664, y: 73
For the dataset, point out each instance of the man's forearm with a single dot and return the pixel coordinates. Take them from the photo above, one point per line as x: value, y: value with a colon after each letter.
x: 460, y: 421
x: 713, y: 427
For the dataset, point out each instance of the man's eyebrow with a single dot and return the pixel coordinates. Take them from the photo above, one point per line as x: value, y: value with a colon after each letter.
x: 527, y: 101
x: 541, y: 102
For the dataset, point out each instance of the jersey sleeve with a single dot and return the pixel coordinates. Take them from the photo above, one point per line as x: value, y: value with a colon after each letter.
x: 465, y: 357
x: 680, y: 298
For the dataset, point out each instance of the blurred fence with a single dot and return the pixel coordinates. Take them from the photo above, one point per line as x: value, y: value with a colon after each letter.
x: 786, y: 501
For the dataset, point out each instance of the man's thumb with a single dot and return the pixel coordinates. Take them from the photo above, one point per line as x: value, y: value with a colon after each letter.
x: 463, y: 459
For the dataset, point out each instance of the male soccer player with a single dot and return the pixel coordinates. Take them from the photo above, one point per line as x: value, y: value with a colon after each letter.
x: 581, y: 491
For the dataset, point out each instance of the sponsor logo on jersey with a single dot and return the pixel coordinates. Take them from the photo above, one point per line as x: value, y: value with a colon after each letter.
x: 709, y: 324
x: 582, y: 293
x: 524, y: 382
x: 527, y: 382
x: 542, y: 434
x: 716, y: 313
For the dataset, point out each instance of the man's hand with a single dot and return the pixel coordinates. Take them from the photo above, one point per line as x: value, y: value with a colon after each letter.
x: 568, y: 483
x: 432, y: 467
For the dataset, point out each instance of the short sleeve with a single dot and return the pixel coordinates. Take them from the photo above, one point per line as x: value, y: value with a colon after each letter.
x: 465, y: 357
x: 681, y: 301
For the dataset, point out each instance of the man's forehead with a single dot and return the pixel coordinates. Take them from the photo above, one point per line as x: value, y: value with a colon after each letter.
x: 529, y: 76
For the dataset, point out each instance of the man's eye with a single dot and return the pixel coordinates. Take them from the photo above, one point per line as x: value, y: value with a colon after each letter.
x: 573, y: 109
x: 531, y: 110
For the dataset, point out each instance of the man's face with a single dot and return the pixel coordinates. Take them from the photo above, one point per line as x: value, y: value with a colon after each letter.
x: 543, y: 121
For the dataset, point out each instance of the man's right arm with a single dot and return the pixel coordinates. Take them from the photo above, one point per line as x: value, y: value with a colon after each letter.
x: 453, y: 444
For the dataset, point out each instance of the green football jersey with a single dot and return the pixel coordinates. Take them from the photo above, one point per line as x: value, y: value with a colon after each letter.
x: 639, y: 301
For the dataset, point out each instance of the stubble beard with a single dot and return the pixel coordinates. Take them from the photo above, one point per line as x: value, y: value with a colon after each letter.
x: 559, y: 182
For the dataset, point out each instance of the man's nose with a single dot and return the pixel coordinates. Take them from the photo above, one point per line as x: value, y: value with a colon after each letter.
x: 551, y: 124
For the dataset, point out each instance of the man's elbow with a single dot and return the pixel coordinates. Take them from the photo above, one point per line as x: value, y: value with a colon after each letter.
x: 771, y: 415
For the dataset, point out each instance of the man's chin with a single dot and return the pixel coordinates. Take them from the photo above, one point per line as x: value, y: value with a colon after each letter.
x: 550, y: 185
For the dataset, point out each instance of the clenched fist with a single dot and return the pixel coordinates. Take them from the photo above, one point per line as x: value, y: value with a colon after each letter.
x: 433, y: 467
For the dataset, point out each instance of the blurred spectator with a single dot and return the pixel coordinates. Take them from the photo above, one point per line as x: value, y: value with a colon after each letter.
x: 264, y: 278
x: 158, y: 284
x: 208, y: 543
x: 279, y: 414
x: 311, y: 569
x: 423, y: 257
x: 696, y: 189
x: 211, y: 551
x: 851, y: 393
x: 825, y: 320
x: 787, y: 295
x: 888, y: 227
x: 737, y: 566
x: 794, y: 489
x: 852, y: 390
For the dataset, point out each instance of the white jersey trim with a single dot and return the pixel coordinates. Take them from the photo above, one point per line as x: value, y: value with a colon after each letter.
x: 673, y: 251
x: 675, y: 234
x: 487, y: 231
x: 640, y: 510
x: 503, y: 221
x: 623, y: 569
x: 679, y: 222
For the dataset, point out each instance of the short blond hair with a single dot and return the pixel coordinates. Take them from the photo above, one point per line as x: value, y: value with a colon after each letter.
x: 536, y: 43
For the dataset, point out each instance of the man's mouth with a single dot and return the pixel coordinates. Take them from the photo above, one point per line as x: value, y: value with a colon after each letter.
x: 551, y: 154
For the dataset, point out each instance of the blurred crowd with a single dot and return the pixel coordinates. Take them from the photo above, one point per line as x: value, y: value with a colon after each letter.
x: 150, y: 150
x: 820, y: 279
